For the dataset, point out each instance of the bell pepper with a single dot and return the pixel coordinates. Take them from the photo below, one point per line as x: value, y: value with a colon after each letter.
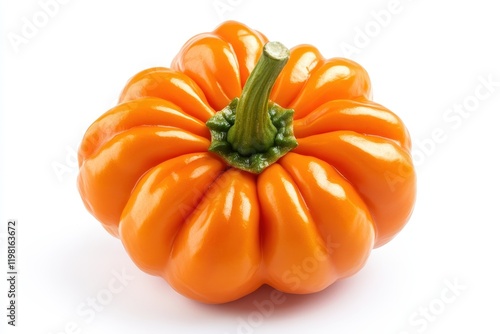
x: 246, y: 163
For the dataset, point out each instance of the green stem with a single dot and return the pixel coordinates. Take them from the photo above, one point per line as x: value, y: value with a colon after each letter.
x: 253, y: 131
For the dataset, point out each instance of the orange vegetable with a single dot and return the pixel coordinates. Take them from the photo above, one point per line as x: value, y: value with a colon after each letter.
x: 245, y: 164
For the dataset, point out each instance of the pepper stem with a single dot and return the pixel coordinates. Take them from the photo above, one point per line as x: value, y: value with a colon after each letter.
x: 253, y: 131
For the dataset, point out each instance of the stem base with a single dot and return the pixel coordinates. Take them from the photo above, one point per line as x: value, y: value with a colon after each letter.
x: 284, y: 141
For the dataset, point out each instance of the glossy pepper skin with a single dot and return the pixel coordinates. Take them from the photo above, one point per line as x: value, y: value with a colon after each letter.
x: 216, y: 233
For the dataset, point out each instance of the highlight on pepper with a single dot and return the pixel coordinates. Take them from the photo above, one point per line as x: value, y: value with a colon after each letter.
x: 244, y: 160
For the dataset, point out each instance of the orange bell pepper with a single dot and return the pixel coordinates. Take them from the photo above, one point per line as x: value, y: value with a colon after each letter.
x: 245, y: 164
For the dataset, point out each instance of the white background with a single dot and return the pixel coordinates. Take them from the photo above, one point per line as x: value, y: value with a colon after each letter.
x: 426, y: 60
